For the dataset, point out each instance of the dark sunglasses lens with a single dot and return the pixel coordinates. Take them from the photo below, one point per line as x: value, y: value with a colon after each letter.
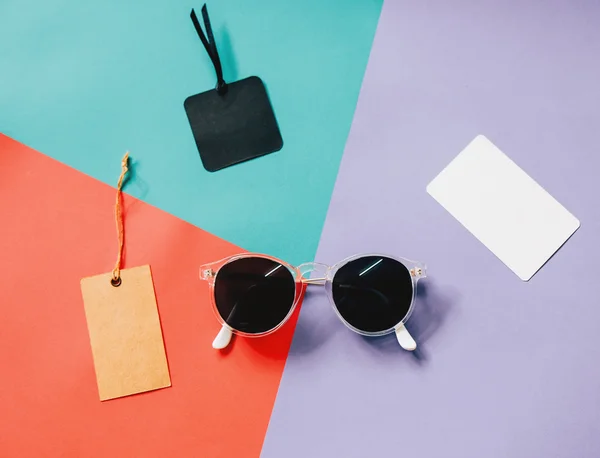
x: 373, y: 293
x: 254, y: 295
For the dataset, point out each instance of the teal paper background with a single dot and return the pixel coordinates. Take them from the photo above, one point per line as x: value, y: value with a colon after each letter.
x: 85, y: 81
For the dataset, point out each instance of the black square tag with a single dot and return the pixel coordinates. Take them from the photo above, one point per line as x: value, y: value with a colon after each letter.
x: 233, y: 122
x: 235, y: 126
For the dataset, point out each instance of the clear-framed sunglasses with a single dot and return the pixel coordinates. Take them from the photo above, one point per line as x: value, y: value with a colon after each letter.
x: 253, y: 295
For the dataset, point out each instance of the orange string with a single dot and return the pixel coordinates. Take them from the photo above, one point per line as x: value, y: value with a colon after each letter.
x: 116, y: 273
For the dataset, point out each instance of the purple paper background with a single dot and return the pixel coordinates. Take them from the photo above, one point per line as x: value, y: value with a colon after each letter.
x: 504, y: 368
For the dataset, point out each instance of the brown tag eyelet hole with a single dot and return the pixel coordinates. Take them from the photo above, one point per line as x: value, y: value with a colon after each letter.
x: 115, y: 282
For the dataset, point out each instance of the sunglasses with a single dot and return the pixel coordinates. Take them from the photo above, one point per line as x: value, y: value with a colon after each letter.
x: 253, y: 295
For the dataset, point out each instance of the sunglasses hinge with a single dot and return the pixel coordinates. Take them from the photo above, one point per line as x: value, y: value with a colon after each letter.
x: 416, y: 272
x: 208, y: 273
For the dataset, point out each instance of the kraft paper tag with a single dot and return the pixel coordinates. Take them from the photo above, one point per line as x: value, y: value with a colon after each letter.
x: 125, y: 333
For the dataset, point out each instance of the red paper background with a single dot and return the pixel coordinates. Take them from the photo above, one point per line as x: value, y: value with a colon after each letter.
x: 57, y: 226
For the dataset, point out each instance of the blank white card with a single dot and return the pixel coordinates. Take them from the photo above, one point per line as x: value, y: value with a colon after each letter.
x: 503, y: 207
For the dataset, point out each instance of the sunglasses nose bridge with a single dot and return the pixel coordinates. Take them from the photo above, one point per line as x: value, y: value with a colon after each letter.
x: 314, y: 273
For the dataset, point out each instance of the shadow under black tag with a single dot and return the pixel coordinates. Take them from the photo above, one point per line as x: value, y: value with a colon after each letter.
x: 233, y: 122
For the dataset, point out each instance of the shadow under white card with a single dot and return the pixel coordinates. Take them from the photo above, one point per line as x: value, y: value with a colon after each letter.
x: 503, y: 207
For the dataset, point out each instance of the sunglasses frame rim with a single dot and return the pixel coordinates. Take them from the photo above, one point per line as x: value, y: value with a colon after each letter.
x: 410, y: 266
x: 209, y: 272
x: 215, y: 267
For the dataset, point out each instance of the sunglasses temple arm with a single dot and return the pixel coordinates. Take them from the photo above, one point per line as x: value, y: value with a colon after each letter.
x: 223, y: 338
x: 405, y: 339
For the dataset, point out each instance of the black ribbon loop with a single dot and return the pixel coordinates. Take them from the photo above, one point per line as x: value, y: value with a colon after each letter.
x: 210, y: 46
